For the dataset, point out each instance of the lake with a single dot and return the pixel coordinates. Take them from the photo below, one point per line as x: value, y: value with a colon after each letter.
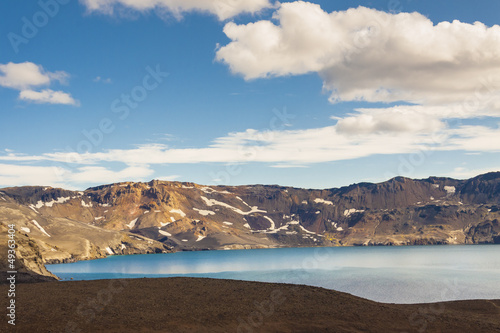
x: 404, y: 274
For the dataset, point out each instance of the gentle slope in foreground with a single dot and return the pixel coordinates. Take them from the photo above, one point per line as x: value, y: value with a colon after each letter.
x: 208, y: 305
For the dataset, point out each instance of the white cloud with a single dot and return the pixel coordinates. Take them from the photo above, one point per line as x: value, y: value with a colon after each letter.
x: 446, y: 72
x: 98, y: 174
x: 296, y: 147
x: 465, y: 173
x: 280, y: 149
x: 103, y: 80
x: 223, y: 9
x: 397, y: 120
x: 18, y: 175
x: 169, y: 178
x: 287, y: 166
x: 475, y: 139
x: 397, y: 130
x: 47, y: 96
x: 57, y: 176
x: 365, y: 54
x: 27, y: 76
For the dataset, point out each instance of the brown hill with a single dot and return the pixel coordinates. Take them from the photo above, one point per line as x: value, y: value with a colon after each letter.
x: 206, y: 305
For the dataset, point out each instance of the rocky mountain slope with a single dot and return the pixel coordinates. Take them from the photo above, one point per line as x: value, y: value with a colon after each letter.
x: 29, y: 262
x: 160, y: 216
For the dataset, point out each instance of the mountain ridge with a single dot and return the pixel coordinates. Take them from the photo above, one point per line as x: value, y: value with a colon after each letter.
x: 164, y: 216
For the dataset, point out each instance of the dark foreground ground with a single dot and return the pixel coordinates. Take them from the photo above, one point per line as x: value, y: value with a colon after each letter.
x: 207, y: 305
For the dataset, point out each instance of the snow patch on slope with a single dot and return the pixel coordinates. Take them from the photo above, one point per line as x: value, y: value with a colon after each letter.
x: 273, y: 226
x: 178, y: 211
x: 86, y: 205
x: 59, y: 201
x: 213, y: 202
x: 207, y: 190
x: 131, y: 224
x: 243, y: 202
x: 450, y: 189
x: 40, y: 203
x: 326, y: 202
x: 33, y: 208
x: 164, y: 233
x: 349, y: 212
x: 40, y: 227
x: 204, y: 212
x: 305, y: 230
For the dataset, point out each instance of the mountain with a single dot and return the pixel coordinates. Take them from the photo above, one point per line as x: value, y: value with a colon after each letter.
x: 161, y: 216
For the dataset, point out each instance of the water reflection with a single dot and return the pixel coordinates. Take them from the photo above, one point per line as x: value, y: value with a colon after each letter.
x: 388, y: 274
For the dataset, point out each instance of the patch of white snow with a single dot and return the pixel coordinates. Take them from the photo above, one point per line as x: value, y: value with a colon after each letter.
x: 40, y: 227
x: 178, y: 211
x: 132, y: 223
x: 326, y: 202
x: 204, y: 212
x: 450, y: 189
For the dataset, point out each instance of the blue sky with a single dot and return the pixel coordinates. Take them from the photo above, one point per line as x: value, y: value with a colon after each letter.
x: 310, y: 94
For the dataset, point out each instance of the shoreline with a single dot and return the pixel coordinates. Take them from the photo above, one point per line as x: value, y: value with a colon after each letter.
x: 48, y: 262
x: 180, y: 304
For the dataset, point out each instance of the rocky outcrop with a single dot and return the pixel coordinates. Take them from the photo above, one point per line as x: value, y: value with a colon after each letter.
x: 45, y: 238
x: 28, y: 261
x: 484, y: 233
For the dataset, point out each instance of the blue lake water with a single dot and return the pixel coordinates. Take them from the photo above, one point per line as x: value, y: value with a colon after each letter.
x: 406, y: 274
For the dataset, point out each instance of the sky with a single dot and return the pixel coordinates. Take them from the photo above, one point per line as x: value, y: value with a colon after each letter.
x: 315, y: 94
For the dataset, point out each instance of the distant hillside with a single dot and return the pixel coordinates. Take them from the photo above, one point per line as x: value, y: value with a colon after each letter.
x: 160, y: 216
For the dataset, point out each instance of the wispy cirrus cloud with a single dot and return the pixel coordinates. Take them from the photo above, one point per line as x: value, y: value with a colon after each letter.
x: 47, y: 96
x: 277, y: 149
x: 288, y: 147
x: 102, y: 80
x: 58, y: 176
x: 223, y: 9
